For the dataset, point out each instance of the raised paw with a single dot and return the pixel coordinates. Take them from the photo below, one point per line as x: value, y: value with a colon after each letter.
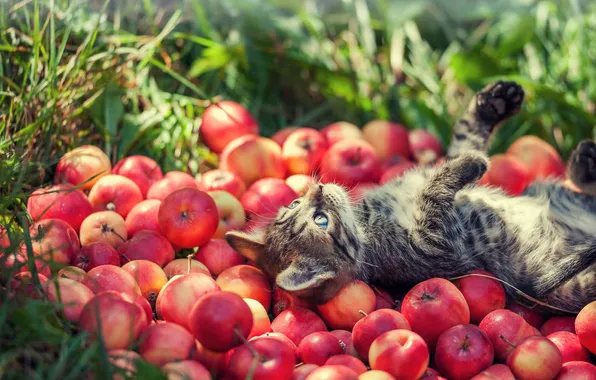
x: 582, y: 164
x: 499, y: 101
x: 468, y: 167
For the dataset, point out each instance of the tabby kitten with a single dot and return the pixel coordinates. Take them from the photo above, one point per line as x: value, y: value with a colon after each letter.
x: 435, y: 222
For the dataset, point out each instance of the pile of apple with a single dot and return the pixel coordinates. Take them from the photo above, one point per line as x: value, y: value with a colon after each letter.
x: 138, y: 257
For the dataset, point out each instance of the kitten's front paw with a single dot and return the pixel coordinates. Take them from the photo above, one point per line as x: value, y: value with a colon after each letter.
x: 499, y: 101
x: 582, y: 164
x: 472, y: 166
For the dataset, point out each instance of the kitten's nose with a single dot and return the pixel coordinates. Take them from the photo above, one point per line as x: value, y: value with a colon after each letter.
x: 320, y: 187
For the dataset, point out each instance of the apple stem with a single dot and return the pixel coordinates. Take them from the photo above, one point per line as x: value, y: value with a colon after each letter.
x: 126, y: 257
x: 466, y: 342
x: 189, y: 257
x: 507, y: 341
x: 362, y: 312
x: 111, y: 206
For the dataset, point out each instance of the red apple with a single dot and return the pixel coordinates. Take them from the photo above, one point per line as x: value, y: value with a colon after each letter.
x: 119, y: 320
x: 560, y: 323
x: 533, y: 317
x: 252, y: 158
x: 280, y: 136
x: 482, y: 294
x: 225, y: 121
x: 463, y: 351
x: 217, y: 256
x: 341, y: 130
x: 302, y: 371
x: 384, y: 299
x: 347, y: 361
x: 296, y: 323
x: 375, y: 374
x: 387, y: 138
x: 166, y: 342
x: 275, y: 360
x: 186, y: 370
x: 504, y: 328
x: 176, y: 299
x: 495, y: 372
x: 125, y: 361
x: 147, y: 245
x: 346, y: 342
x: 349, y: 162
x: 115, y: 193
x: 396, y: 171
x: 62, y: 202
x: 216, y: 362
x: 73, y: 273
x: 367, y: 329
x: 586, y: 328
x: 23, y: 285
x: 83, y: 165
x: 577, y: 370
x: 333, y: 372
x: 248, y: 282
x: 433, y: 306
x: 111, y: 277
x: 171, y: 181
x: 319, y: 346
x: 221, y: 321
x: 185, y: 266
x: 54, y: 242
x: 283, y: 300
x: 94, y: 255
x: 569, y: 345
x: 300, y: 183
x: 150, y: 277
x: 216, y: 179
x: 142, y: 170
x: 71, y: 294
x: 230, y: 211
x: 346, y: 307
x: 188, y: 217
x: 303, y: 150
x: 261, y: 323
x: 264, y: 198
x: 143, y: 216
x: 282, y: 338
x: 402, y: 353
x: 508, y: 173
x: 535, y: 358
x: 539, y: 157
x: 425, y: 146
x: 104, y: 226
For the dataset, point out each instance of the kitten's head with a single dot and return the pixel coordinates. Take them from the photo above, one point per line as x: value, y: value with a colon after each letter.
x: 309, y: 249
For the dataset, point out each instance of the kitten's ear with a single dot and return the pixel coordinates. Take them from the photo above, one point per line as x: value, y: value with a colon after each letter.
x: 294, y: 278
x: 249, y: 245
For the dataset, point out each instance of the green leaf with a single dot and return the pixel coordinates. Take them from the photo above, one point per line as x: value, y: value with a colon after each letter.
x: 472, y: 67
x: 515, y: 32
x: 113, y: 110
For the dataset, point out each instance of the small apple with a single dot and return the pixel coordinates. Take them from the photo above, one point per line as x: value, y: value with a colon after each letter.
x: 402, y: 353
x: 95, y: 254
x: 425, y: 146
x: 302, y: 371
x: 216, y: 362
x: 303, y: 151
x: 253, y: 157
x: 558, y: 323
x: 540, y: 158
x: 569, y: 345
x: 248, y: 282
x: 104, y: 226
x: 348, y: 361
x: 264, y: 198
x: 149, y: 276
x: 350, y: 162
x: 275, y: 360
x: 495, y: 372
x: 143, y: 216
x: 367, y: 329
x: 111, y: 277
x: 188, y: 217
x: 463, y: 351
x: 114, y: 192
x: 186, y: 370
x: 482, y: 294
x: 54, y: 242
x: 217, y: 255
x: 224, y: 121
x: 319, y: 346
x: 508, y: 173
x: 586, y: 328
x: 142, y: 170
x: 535, y: 358
x: 346, y: 341
x: 300, y: 183
x: 63, y: 202
x: 221, y: 321
x: 505, y: 328
x: 171, y: 181
x: 296, y: 323
x: 351, y: 303
x: 280, y: 136
x: 230, y: 211
x: 341, y: 130
x: 533, y: 317
x: 260, y: 318
x: 166, y: 342
x: 387, y: 138
x: 147, y: 245
x: 432, y: 306
x: 223, y: 180
x: 282, y: 300
x: 71, y: 294
x: 577, y: 370
x: 83, y: 165
x: 333, y: 372
x: 282, y: 338
x: 185, y: 266
x: 384, y: 299
x: 375, y: 374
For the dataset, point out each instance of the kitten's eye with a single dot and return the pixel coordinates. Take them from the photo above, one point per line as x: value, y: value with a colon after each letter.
x: 321, y: 220
x: 295, y: 203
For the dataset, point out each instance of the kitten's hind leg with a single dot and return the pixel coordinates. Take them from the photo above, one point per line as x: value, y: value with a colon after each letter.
x: 582, y: 167
x: 488, y: 109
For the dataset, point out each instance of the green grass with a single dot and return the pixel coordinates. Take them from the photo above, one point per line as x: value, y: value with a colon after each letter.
x: 135, y: 77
